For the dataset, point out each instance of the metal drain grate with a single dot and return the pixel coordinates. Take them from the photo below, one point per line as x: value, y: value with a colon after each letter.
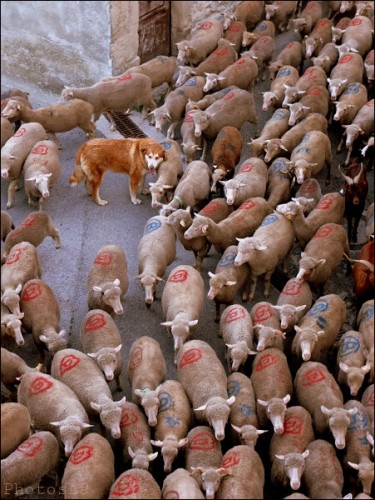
x: 125, y: 125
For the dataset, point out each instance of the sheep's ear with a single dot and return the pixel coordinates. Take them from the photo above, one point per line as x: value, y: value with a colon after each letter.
x: 156, y: 443
x: 280, y: 457
x: 55, y: 424
x: 93, y: 355
x: 138, y: 392
x: 44, y: 338
x: 286, y: 399
x: 210, y: 274
x: 95, y: 406
x: 116, y: 282
x: 18, y: 288
x: 262, y: 403
x: 167, y: 323
x: 201, y: 408
x: 118, y: 348
x: 131, y: 452
x: 121, y: 402
x: 231, y: 400
x: 237, y: 429
x: 354, y: 466
x: 306, y: 453
x: 152, y: 456
x: 182, y: 442
x: 193, y: 322
x: 97, y: 288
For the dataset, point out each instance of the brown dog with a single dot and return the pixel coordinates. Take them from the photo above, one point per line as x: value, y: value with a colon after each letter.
x: 134, y: 157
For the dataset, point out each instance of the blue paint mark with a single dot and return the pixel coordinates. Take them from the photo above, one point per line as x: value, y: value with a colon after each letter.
x: 192, y: 82
x: 302, y: 150
x: 368, y: 313
x: 352, y: 89
x: 320, y: 305
x: 270, y: 219
x: 152, y: 225
x: 166, y: 401
x: 246, y: 410
x: 283, y: 72
x: 305, y: 138
x: 172, y: 421
x: 261, y: 27
x: 277, y: 165
x: 166, y: 145
x: 234, y: 388
x: 349, y: 346
x: 279, y: 115
x: 358, y: 421
x: 227, y: 260
x: 320, y: 321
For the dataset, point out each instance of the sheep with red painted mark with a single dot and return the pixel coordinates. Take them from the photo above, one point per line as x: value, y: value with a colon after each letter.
x: 13, y: 367
x: 267, y: 327
x: 280, y: 13
x: 319, y: 36
x: 312, y: 77
x: 134, y: 483
x: 15, y: 425
x: 309, y: 16
x: 261, y: 51
x: 367, y: 401
x: 263, y: 28
x: 294, y: 301
x: 241, y: 74
x: 308, y: 195
x: 247, y: 12
x: 234, y: 34
x: 315, y: 100
x: 349, y: 69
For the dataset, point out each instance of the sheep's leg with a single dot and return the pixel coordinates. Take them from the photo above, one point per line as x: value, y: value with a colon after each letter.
x: 144, y: 190
x: 339, y: 147
x: 267, y: 283
x: 217, y: 312
x: 55, y: 235
x: 110, y: 119
x: 347, y: 160
x: 12, y: 188
x: 171, y: 129
x: 204, y: 149
x: 254, y: 279
x: 118, y: 383
x: 55, y: 139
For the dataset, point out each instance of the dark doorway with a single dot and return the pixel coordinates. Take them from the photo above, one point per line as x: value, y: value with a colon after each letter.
x: 154, y: 30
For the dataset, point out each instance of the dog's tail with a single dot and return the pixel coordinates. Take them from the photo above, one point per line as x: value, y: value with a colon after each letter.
x: 78, y: 174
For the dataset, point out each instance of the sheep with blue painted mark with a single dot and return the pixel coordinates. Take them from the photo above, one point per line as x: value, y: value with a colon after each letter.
x: 276, y: 126
x: 279, y: 185
x: 286, y: 76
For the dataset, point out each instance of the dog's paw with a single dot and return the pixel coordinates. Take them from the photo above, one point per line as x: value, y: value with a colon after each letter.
x: 136, y: 201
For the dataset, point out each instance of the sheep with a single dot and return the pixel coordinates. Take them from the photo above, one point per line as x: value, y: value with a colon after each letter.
x: 362, y: 125
x: 6, y: 225
x: 247, y: 12
x: 225, y: 153
x: 279, y: 183
x: 136, y: 484
x: 286, y: 77
x: 292, y: 303
x: 263, y: 28
x: 240, y: 223
x: 330, y: 208
x: 318, y: 38
x: 270, y: 244
x: 174, y: 421
x: 190, y: 143
x: 182, y: 303
x: 117, y: 94
x: 358, y: 35
x: 310, y: 155
x: 350, y: 102
x: 22, y: 470
x: 365, y: 325
x: 36, y: 227
x: 53, y: 406
x: 90, y: 470
x: 56, y: 118
x: 12, y: 367
x: 203, y: 457
x: 14, y: 153
x: 101, y: 340
x: 135, y: 437
x: 323, y: 475
x: 316, y: 100
x: 7, y: 130
x: 349, y: 69
x: 280, y: 12
x: 250, y: 181
x: 267, y: 326
x: 21, y: 265
x: 107, y: 280
x: 181, y: 219
x: 160, y: 69
x: 308, y: 194
x: 358, y: 450
x: 41, y: 316
x: 241, y: 74
x: 234, y: 109
x: 169, y: 172
x: 323, y: 255
x: 339, y: 29
x: 272, y: 398
x: 369, y: 67
x: 293, y: 136
x: 83, y: 376
x: 236, y: 329
x: 262, y: 51
x: 276, y: 126
x: 146, y: 371
x: 10, y: 322
x: 159, y: 237
x: 41, y: 171
x: 234, y: 33
x: 242, y: 416
x: 351, y: 367
x: 174, y: 105
x: 245, y: 474
x: 291, y: 56
x: 193, y: 187
x: 15, y: 426
x: 310, y: 15
x: 317, y: 331
x: 367, y: 401
x: 312, y: 77
x: 182, y: 484
x: 202, y: 42
x: 287, y: 451
x: 327, y: 57
x: 203, y: 376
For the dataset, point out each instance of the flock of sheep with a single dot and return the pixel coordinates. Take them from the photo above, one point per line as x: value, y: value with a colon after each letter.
x: 292, y: 372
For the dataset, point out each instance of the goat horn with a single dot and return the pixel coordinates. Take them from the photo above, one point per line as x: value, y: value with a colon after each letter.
x: 356, y: 178
x: 348, y: 179
x: 366, y: 263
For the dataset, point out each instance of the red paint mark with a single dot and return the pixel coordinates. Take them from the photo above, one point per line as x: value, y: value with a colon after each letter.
x: 203, y: 441
x: 31, y: 446
x: 205, y: 26
x: 220, y: 52
x: 247, y: 167
x: 68, y: 362
x: 308, y: 187
x: 370, y: 401
x: 325, y: 203
x: 313, y: 91
x: 265, y: 362
x: 191, y: 356
x: 81, y: 454
x: 229, y: 96
x: 234, y: 314
x: 322, y: 22
x: 355, y: 22
x: 235, y: 26
x: 39, y: 385
x: 124, y: 77
x: 292, y: 288
x: 262, y: 313
x: 265, y: 39
x: 13, y: 257
x: 138, y: 436
x: 231, y: 459
x: 311, y: 74
x: 247, y: 205
x: 179, y: 276
x: 135, y: 358
x: 31, y: 292
x: 313, y: 377
x: 128, y: 417
x: 126, y: 485
x: 42, y: 149
x: 20, y: 132
x: 290, y: 44
x: 29, y: 221
x: 211, y: 208
x: 94, y: 322
x: 104, y: 259
x: 310, y: 6
x: 293, y: 425
x: 346, y: 58
x: 188, y: 118
x: 241, y: 61
x: 323, y: 232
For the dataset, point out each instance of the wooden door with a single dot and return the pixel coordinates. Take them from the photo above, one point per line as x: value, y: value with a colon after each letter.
x: 154, y: 30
